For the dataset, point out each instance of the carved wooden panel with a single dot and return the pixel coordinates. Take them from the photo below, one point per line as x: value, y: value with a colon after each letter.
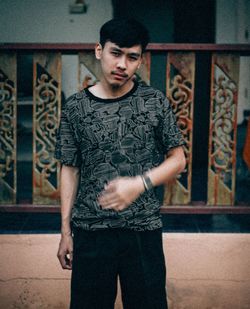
x: 89, y: 71
x: 145, y: 68
x: 222, y: 133
x: 8, y: 108
x: 46, y: 116
x: 180, y: 91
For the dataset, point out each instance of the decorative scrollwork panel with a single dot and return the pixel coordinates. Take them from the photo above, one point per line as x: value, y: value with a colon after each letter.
x: 180, y: 91
x: 223, y: 126
x: 8, y: 107
x: 143, y: 72
x: 46, y: 116
x: 89, y: 71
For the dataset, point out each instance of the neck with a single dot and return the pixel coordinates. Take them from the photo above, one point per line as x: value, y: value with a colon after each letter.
x: 108, y: 91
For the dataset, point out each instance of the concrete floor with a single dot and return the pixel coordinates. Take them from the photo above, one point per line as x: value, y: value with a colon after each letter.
x: 204, y: 271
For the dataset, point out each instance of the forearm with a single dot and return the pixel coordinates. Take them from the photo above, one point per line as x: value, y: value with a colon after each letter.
x: 69, y: 185
x: 173, y: 165
x: 119, y: 193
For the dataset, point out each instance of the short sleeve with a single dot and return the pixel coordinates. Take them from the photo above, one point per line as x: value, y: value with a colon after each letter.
x: 66, y: 148
x: 168, y: 133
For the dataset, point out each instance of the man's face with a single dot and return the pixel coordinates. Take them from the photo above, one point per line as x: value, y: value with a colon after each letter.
x: 118, y: 64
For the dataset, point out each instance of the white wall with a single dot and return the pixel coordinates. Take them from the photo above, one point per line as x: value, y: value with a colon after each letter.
x: 49, y: 21
x: 232, y: 25
x: 44, y: 21
x: 232, y: 21
x: 225, y: 29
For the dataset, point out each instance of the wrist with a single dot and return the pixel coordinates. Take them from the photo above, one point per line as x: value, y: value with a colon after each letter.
x: 65, y: 230
x: 148, y: 185
x: 139, y: 184
x: 66, y: 233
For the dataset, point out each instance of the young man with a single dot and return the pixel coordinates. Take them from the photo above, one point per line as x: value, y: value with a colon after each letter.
x: 111, y: 141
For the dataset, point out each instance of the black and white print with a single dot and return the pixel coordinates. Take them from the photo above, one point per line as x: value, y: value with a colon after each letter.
x: 107, y: 138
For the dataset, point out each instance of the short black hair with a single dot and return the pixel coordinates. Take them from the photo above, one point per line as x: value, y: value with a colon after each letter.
x: 125, y: 32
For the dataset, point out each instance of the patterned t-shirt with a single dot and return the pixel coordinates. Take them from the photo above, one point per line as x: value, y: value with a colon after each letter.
x: 107, y: 138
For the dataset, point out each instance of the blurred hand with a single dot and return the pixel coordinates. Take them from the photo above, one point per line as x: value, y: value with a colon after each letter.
x: 65, y: 251
x: 119, y: 193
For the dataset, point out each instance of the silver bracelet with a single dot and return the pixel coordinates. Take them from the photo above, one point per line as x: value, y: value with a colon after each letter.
x: 147, y: 182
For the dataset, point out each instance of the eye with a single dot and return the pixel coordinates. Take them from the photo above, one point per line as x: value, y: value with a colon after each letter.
x: 115, y: 53
x: 133, y: 58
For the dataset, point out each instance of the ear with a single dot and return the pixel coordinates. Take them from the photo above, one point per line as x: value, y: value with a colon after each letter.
x: 98, y: 51
x: 138, y: 67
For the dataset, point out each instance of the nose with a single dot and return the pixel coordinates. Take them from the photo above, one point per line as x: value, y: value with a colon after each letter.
x: 122, y: 63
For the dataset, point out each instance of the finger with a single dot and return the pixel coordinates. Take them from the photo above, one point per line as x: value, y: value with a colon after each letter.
x: 69, y: 260
x: 107, y: 190
x: 71, y: 256
x: 121, y: 207
x: 110, y: 186
x: 106, y: 195
x: 68, y: 264
x: 62, y: 260
x: 108, y: 199
x: 111, y: 206
x: 109, y: 203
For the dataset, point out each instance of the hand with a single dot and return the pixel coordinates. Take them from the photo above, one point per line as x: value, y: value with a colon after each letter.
x: 65, y: 251
x: 119, y: 193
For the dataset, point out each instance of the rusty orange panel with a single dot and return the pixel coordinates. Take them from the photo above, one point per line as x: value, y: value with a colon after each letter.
x: 46, y: 115
x: 223, y: 127
x: 180, y: 91
x: 89, y: 70
x: 8, y: 110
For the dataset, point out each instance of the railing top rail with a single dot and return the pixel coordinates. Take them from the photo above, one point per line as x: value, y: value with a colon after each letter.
x: 160, y: 47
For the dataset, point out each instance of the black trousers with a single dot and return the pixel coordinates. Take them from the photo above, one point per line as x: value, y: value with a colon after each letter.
x: 99, y: 257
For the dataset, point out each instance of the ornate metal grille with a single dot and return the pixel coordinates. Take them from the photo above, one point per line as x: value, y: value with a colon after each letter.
x: 8, y: 109
x: 223, y: 125
x: 180, y: 91
x: 46, y: 115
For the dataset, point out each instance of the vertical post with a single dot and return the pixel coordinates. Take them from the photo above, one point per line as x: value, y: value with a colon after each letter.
x: 180, y: 91
x: 223, y: 127
x: 8, y: 110
x: 46, y: 115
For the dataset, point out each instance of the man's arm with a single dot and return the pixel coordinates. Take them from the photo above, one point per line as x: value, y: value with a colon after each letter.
x: 68, y: 190
x: 173, y: 165
x: 122, y: 191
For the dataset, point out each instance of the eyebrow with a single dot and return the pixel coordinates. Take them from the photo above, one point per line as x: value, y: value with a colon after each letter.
x: 135, y: 54
x: 130, y: 54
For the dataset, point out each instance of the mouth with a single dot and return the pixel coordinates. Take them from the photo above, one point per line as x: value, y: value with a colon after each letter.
x: 118, y: 75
